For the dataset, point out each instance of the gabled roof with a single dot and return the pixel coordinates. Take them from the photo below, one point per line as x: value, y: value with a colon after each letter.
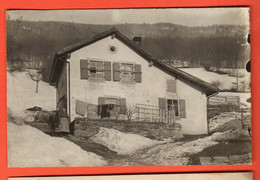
x: 62, y: 56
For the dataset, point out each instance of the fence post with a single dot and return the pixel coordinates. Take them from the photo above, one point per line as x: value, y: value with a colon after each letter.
x: 242, y: 118
x: 238, y: 103
x: 138, y: 113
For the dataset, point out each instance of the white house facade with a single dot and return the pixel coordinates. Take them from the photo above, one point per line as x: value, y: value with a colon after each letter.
x: 111, y: 69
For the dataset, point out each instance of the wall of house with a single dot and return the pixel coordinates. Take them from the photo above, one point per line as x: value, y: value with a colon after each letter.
x: 153, y: 86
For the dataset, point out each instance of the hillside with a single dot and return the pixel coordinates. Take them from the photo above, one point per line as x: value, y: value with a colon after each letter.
x: 219, y: 45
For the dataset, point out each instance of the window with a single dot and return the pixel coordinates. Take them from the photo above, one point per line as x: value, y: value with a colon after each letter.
x: 173, y: 104
x: 171, y: 85
x: 127, y: 72
x: 96, y: 69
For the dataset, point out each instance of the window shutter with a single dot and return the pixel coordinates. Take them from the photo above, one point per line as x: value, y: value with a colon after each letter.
x: 116, y: 71
x: 162, y: 103
x: 101, y: 100
x: 123, y: 106
x: 171, y: 86
x: 138, y: 73
x: 182, y: 108
x: 83, y: 69
x: 107, y: 70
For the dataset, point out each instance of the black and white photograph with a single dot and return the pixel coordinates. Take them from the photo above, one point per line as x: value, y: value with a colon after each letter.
x: 128, y: 87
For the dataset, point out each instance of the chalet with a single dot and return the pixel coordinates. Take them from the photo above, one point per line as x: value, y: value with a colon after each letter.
x: 109, y: 75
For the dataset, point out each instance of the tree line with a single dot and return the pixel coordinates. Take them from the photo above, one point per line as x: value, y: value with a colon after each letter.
x: 36, y: 43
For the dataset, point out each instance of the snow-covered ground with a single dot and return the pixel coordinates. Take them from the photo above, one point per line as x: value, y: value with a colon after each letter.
x: 243, y: 97
x: 176, y: 153
x: 120, y: 142
x: 227, y: 82
x: 21, y: 93
x: 29, y: 147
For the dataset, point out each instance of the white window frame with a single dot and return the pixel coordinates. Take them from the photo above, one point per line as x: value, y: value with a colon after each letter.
x: 178, y: 103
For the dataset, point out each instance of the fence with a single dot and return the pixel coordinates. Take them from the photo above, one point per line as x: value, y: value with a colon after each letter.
x: 219, y: 104
x: 216, y: 100
x: 151, y: 113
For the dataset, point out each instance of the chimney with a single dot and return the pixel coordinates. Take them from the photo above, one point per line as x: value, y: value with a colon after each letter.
x: 137, y: 40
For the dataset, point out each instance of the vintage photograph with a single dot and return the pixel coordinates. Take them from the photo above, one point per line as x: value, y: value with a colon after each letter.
x: 128, y: 87
x: 197, y: 176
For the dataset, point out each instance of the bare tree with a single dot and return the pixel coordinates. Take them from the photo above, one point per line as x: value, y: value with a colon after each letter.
x: 130, y: 111
x: 35, y: 76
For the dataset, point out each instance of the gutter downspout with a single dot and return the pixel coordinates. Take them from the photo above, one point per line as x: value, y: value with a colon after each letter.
x: 65, y: 61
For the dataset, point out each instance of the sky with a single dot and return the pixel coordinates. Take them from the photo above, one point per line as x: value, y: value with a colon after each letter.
x: 183, y: 16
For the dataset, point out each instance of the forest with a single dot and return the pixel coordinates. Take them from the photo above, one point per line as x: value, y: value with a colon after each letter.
x: 35, y: 43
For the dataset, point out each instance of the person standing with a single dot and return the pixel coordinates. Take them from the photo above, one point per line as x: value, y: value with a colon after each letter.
x: 53, y: 123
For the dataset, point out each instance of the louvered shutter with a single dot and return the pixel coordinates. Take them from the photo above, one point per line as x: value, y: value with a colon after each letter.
x: 107, y: 70
x: 101, y: 100
x: 138, y: 73
x: 83, y: 69
x: 171, y: 86
x: 182, y: 108
x: 116, y: 71
x: 122, y: 106
x: 162, y: 103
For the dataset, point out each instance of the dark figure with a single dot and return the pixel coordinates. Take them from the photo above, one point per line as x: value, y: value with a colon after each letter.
x: 72, y: 127
x: 249, y: 131
x: 52, y: 121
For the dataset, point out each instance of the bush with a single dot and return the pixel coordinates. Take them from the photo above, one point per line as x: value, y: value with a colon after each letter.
x: 207, y: 67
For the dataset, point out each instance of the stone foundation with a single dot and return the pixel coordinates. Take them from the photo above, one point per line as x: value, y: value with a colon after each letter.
x: 152, y: 130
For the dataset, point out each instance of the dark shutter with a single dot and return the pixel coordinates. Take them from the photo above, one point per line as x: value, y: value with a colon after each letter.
x: 182, y: 108
x: 83, y: 69
x: 162, y: 103
x: 101, y: 100
x: 171, y: 86
x: 116, y: 71
x: 138, y: 73
x: 122, y: 106
x: 107, y: 70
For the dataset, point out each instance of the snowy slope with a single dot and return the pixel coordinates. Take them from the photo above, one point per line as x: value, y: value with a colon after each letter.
x: 32, y: 148
x: 243, y: 97
x: 226, y: 80
x: 21, y: 93
x: 120, y: 142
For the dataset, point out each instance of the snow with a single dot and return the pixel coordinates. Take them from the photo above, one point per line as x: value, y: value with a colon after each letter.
x: 225, y: 121
x: 176, y: 153
x: 230, y: 135
x: 29, y: 147
x: 21, y: 93
x: 226, y: 80
x: 120, y: 142
x: 243, y: 97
